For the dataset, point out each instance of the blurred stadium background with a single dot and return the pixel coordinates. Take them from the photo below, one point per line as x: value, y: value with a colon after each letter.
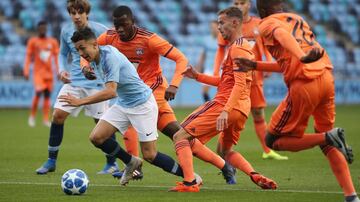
x: 185, y: 23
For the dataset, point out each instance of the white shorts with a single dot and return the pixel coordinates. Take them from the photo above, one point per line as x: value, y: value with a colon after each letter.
x: 142, y: 117
x: 94, y: 110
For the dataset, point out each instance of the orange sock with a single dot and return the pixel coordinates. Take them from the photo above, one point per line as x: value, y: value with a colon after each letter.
x: 204, y: 153
x: 294, y: 144
x: 131, y: 141
x: 34, y: 106
x: 239, y: 162
x: 46, y: 109
x: 260, y: 129
x: 340, y: 169
x: 185, y: 157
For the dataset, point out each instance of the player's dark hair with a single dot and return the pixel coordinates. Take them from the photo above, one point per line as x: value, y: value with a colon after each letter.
x: 123, y: 10
x: 270, y: 3
x: 232, y: 12
x: 79, y: 5
x: 41, y: 22
x: 83, y: 34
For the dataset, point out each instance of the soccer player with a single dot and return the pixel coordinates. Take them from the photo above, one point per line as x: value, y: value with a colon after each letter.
x: 143, y: 49
x: 258, y: 102
x: 41, y: 50
x: 75, y: 83
x: 226, y: 113
x: 135, y: 105
x: 308, y: 75
x: 206, y: 59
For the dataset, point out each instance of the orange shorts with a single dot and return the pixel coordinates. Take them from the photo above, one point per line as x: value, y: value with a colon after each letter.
x: 201, y: 124
x: 305, y: 98
x: 166, y: 114
x: 41, y: 83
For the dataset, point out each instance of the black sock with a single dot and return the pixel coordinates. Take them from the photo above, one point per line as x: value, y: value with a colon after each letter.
x: 168, y: 164
x: 113, y: 149
x: 206, y: 97
x: 189, y: 183
x: 55, y: 138
x: 111, y: 159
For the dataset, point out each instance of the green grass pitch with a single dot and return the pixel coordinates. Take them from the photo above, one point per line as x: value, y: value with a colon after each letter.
x: 306, y: 176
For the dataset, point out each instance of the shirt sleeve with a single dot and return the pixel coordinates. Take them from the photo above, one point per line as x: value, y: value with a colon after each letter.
x: 240, y: 86
x: 64, y: 52
x: 28, y: 57
x: 164, y: 48
x: 267, y: 28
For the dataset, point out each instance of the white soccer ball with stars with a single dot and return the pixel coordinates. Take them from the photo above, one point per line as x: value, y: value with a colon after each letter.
x: 74, y: 182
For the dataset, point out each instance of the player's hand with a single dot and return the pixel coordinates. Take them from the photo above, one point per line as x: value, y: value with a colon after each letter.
x: 190, y: 73
x: 70, y: 100
x: 88, y: 72
x: 170, y: 93
x: 313, y: 55
x: 222, y: 121
x: 245, y: 64
x: 65, y: 77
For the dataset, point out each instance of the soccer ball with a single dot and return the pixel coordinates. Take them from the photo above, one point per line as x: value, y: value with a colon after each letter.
x: 74, y: 182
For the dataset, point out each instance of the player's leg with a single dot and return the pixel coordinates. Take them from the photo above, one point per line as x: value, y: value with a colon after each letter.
x: 111, y: 165
x: 167, y: 122
x: 258, y: 115
x: 60, y: 114
x: 33, y: 109
x: 131, y: 141
x: 205, y: 93
x: 46, y: 107
x: 324, y: 118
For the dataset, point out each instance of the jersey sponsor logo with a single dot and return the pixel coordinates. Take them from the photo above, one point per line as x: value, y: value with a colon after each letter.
x: 139, y: 51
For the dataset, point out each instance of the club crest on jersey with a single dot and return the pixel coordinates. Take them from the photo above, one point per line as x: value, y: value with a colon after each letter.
x: 139, y: 51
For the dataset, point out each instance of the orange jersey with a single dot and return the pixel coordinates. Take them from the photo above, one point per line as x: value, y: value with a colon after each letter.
x: 143, y: 50
x: 234, y: 86
x: 250, y: 32
x: 41, y: 51
x: 291, y: 66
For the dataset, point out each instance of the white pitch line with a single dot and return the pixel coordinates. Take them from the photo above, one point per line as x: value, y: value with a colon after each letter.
x: 166, y: 187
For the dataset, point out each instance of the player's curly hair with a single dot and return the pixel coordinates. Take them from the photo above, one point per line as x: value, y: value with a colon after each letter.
x: 79, y: 5
x: 123, y: 10
x: 83, y: 34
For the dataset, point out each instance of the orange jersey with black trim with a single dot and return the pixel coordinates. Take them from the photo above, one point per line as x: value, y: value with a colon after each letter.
x: 250, y: 32
x: 40, y: 51
x: 143, y: 50
x: 234, y: 87
x: 291, y: 66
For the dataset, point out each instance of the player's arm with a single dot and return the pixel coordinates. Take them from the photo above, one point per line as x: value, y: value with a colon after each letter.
x: 55, y: 55
x: 164, y: 48
x: 244, y: 65
x: 191, y: 73
x: 107, y: 93
x: 28, y: 57
x: 63, y: 55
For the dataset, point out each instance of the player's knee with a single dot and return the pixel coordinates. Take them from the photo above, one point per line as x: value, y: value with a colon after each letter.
x: 59, y: 118
x: 171, y: 129
x: 149, y: 155
x: 270, y: 140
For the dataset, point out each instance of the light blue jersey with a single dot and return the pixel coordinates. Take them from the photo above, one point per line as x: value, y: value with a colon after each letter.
x: 114, y: 66
x: 67, y: 47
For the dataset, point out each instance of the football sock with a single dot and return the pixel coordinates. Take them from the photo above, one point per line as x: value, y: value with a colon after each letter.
x: 46, y: 109
x: 239, y: 162
x: 294, y: 144
x: 204, y: 153
x: 260, y: 129
x: 55, y: 138
x: 113, y: 149
x: 131, y: 141
x: 340, y: 169
x: 111, y: 159
x: 184, y: 154
x: 168, y: 164
x: 34, y: 105
x: 351, y: 198
x: 206, y: 97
